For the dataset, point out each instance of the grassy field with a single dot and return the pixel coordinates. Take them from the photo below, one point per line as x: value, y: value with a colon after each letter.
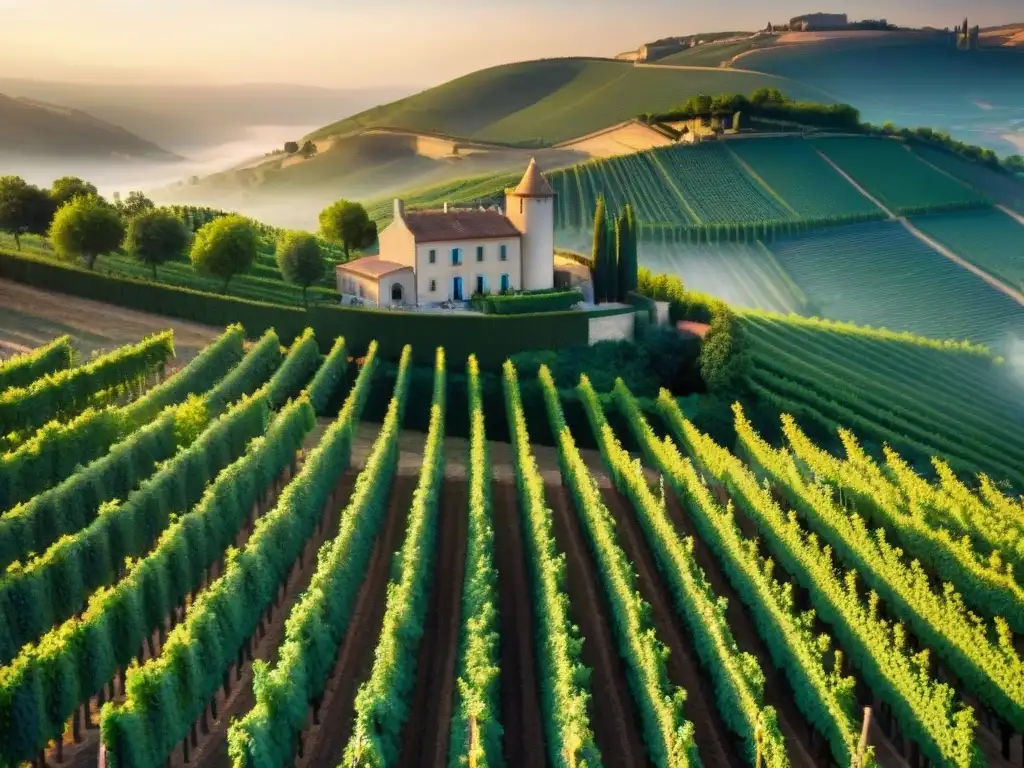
x: 549, y: 101
x: 987, y: 238
x: 880, y: 275
x: 263, y: 281
x: 887, y: 389
x: 800, y: 176
x: 977, y: 98
x: 895, y: 176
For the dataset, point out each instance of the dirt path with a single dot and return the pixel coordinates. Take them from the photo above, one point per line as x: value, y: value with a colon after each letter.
x: 952, y: 256
x: 425, y: 737
x: 324, y: 744
x: 854, y: 183
x: 715, y: 743
x: 520, y: 696
x: 1012, y: 214
x: 614, y: 717
x: 30, y: 317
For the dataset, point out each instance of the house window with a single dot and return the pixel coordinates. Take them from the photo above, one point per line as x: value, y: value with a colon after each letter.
x: 456, y: 257
x: 433, y: 286
x: 520, y: 205
x: 481, y: 284
x: 503, y: 253
x: 396, y: 292
x: 479, y: 253
x: 432, y: 256
x: 504, y: 283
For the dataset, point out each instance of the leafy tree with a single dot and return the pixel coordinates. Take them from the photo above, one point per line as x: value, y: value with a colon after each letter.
x: 300, y: 259
x: 85, y: 228
x: 225, y: 247
x: 156, y: 236
x: 24, y: 208
x: 347, y: 223
x: 67, y: 188
x: 291, y: 147
x: 135, y: 204
x: 598, y: 253
x: 308, y: 149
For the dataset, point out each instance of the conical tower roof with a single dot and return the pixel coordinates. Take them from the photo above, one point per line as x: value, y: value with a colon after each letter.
x: 533, y: 184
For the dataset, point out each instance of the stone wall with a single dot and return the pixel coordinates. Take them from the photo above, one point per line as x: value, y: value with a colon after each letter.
x: 611, y: 328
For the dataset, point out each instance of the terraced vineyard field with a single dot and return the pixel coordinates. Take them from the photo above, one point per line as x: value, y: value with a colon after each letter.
x: 799, y: 175
x: 896, y: 177
x: 880, y: 275
x: 1000, y: 187
x: 923, y: 397
x: 635, y: 179
x: 716, y: 187
x: 987, y: 238
x: 743, y: 275
x: 263, y: 594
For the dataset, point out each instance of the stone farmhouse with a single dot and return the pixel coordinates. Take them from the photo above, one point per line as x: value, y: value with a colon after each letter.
x: 430, y: 257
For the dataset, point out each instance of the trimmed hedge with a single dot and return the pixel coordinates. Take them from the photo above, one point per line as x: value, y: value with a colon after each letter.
x: 528, y: 302
x: 492, y: 338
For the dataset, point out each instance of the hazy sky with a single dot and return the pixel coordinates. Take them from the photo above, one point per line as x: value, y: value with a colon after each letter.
x: 346, y: 43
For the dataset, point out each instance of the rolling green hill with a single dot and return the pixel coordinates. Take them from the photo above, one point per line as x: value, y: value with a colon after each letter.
x: 539, y: 103
x: 33, y: 128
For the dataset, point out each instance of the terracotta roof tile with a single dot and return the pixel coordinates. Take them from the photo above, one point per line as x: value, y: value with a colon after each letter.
x: 372, y: 267
x: 438, y: 226
x: 534, y: 184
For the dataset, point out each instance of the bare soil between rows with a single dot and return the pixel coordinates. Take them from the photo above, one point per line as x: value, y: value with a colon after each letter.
x: 615, y: 719
x: 323, y: 744
x: 520, y: 695
x: 426, y: 734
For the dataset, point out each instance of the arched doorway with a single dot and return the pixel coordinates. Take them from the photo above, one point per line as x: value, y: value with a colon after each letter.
x: 396, y: 293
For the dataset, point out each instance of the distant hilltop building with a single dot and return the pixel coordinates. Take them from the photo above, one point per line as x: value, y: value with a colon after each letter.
x: 429, y: 257
x: 967, y: 38
x: 819, y: 21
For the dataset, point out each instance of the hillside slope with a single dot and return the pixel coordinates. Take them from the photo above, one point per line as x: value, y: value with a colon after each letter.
x: 978, y: 96
x: 539, y: 103
x: 36, y: 128
x: 923, y: 398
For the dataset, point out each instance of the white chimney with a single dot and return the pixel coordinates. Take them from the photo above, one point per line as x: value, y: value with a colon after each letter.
x: 446, y: 207
x: 399, y: 209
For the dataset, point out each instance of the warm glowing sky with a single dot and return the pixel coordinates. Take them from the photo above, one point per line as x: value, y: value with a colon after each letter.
x: 383, y: 42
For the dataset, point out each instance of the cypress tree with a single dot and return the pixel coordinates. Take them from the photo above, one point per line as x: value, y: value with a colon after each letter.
x: 628, y: 254
x: 598, y: 253
x: 614, y: 252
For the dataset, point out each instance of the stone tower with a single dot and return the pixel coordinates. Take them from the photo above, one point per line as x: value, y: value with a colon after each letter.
x: 531, y: 208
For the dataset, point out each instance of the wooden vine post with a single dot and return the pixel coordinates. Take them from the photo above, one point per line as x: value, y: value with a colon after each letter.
x: 858, y: 760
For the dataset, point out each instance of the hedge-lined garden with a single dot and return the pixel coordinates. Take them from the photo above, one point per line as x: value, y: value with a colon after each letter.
x: 493, y: 338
